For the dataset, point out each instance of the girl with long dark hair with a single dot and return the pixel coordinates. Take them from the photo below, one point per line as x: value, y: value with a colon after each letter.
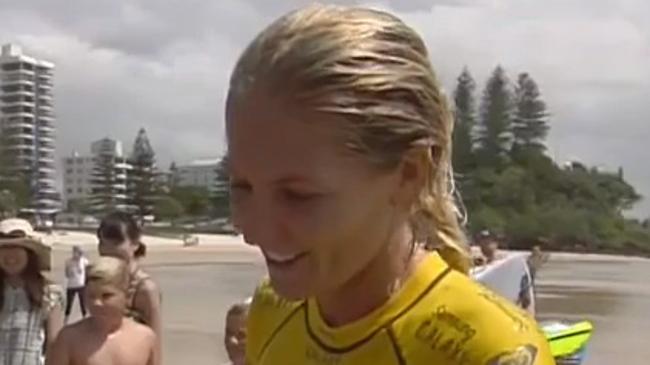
x: 30, y: 306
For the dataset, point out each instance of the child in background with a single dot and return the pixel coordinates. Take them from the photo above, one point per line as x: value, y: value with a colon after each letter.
x: 235, y: 332
x: 106, y: 337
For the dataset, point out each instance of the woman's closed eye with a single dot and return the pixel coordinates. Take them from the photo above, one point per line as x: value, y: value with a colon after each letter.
x: 297, y: 196
x: 239, y: 189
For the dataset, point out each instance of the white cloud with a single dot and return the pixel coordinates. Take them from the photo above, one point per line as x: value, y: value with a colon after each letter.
x: 122, y: 64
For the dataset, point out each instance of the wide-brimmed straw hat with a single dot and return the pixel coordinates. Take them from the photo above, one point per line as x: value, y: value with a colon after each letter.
x: 20, y: 233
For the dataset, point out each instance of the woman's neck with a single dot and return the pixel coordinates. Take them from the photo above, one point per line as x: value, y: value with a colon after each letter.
x: 373, y: 286
x: 133, y: 266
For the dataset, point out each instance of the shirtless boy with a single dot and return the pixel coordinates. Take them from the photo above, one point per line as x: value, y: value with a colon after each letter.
x: 107, y: 337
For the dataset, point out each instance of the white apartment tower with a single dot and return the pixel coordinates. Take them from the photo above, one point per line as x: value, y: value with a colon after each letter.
x: 27, y: 124
x: 84, y: 182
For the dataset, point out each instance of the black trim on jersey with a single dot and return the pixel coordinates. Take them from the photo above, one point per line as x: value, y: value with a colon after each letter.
x: 393, y: 341
x: 363, y: 341
x: 280, y: 326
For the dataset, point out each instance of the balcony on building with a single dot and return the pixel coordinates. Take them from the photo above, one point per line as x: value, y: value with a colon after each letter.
x: 18, y: 99
x: 18, y: 68
x: 18, y: 79
x: 24, y: 90
x: 45, y: 113
x: 47, y: 97
x: 18, y: 136
x: 46, y: 168
x: 46, y: 157
x: 45, y: 127
x: 45, y: 109
x: 17, y: 111
x: 19, y: 125
x: 20, y: 147
x: 47, y: 138
x: 46, y: 146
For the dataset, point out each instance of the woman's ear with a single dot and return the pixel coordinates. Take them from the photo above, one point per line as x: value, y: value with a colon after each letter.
x: 413, y: 173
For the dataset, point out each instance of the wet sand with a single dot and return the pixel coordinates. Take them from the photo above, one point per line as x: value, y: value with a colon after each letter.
x: 200, y: 283
x: 613, y: 293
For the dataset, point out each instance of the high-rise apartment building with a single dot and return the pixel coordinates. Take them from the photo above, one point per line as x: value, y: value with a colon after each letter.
x: 27, y: 125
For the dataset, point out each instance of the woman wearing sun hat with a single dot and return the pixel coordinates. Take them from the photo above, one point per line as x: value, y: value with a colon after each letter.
x: 30, y: 306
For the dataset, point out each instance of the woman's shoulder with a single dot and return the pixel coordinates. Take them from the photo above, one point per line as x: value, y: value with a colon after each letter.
x: 267, y: 311
x: 142, y: 283
x: 463, y: 321
x: 267, y: 300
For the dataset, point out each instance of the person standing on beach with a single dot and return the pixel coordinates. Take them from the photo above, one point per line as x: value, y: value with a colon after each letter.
x: 75, y: 274
x: 489, y: 245
x: 31, y: 308
x: 120, y: 236
x: 107, y: 337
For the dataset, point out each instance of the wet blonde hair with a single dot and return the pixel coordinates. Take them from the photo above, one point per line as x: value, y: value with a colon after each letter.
x: 372, y: 69
x: 108, y: 271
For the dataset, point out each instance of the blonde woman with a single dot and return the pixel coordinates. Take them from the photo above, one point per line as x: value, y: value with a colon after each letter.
x: 339, y: 148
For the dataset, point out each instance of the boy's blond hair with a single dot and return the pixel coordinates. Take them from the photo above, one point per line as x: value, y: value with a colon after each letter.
x: 108, y: 271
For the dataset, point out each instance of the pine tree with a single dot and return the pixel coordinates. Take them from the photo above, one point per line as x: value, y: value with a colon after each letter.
x: 15, y: 181
x: 142, y: 185
x: 494, y: 134
x: 221, y: 190
x: 465, y: 121
x: 529, y: 125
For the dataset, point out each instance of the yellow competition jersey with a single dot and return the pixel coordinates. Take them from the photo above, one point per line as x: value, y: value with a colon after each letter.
x: 439, y: 317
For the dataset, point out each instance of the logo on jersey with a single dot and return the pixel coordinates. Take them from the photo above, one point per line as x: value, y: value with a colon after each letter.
x: 448, y: 334
x: 524, y: 355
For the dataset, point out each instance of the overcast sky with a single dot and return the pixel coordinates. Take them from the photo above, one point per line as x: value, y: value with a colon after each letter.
x: 164, y: 65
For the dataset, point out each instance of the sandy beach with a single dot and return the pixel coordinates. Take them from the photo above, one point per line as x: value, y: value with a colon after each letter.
x: 199, y: 283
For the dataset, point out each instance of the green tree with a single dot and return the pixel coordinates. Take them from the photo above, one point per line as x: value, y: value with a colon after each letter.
x: 15, y: 182
x: 143, y: 185
x: 494, y: 135
x: 195, y: 200
x: 168, y: 208
x: 530, y: 122
x: 106, y: 194
x: 464, y: 121
x: 8, y: 206
x: 221, y: 191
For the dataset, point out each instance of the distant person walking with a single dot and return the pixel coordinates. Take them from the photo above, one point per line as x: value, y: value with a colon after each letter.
x: 75, y: 274
x: 536, y: 260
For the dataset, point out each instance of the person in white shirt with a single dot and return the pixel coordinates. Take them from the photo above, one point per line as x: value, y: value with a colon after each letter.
x: 75, y: 274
